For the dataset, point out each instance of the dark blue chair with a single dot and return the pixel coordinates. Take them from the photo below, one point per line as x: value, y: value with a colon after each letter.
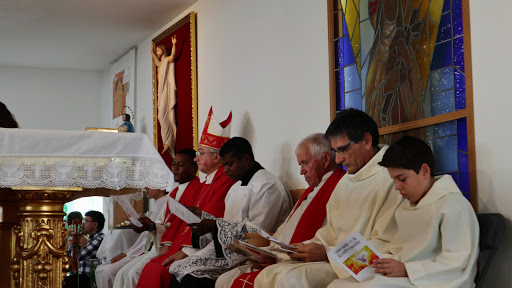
x: 492, y: 228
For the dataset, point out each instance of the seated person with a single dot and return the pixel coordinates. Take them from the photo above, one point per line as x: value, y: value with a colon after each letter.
x: 93, y: 224
x: 317, y: 165
x: 257, y: 200
x: 184, y: 170
x: 106, y: 273
x: 364, y: 201
x: 82, y: 240
x: 437, y: 240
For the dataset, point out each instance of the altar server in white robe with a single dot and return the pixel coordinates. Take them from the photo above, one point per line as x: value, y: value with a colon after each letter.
x: 317, y: 165
x: 106, y: 273
x: 364, y: 201
x: 257, y: 200
x: 437, y: 240
x: 184, y: 170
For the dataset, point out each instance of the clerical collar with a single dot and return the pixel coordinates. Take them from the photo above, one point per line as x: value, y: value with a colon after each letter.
x: 248, y: 176
x: 209, y: 177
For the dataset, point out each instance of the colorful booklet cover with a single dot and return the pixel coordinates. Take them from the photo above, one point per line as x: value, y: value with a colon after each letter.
x: 355, y: 255
x: 248, y: 250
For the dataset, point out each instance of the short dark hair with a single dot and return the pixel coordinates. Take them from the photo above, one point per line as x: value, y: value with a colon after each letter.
x: 353, y: 124
x: 238, y: 147
x: 409, y: 153
x: 73, y: 216
x: 190, y: 153
x: 97, y: 217
x: 127, y: 117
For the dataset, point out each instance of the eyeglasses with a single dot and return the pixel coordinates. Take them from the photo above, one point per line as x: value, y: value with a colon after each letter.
x: 342, y: 149
x: 202, y: 153
x: 85, y: 221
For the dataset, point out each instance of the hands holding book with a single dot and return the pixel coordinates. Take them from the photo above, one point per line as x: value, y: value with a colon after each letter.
x: 146, y: 224
x: 389, y: 267
x: 311, y: 252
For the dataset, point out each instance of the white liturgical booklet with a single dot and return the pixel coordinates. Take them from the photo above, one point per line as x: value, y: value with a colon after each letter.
x: 182, y: 212
x: 355, y: 255
x: 280, y: 243
x: 127, y: 207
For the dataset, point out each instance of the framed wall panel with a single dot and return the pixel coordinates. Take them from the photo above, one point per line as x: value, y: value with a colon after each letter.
x: 407, y: 63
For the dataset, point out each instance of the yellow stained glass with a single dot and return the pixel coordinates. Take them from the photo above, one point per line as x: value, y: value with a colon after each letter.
x: 416, y: 3
x: 432, y: 28
x: 344, y: 4
x: 408, y: 17
x: 435, y: 9
x: 424, y: 43
x: 423, y: 9
x: 423, y: 66
x: 356, y: 47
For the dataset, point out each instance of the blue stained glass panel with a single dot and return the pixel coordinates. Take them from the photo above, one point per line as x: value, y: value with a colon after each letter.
x: 445, y: 27
x: 353, y: 100
x: 348, y: 54
x: 445, y: 153
x: 340, y: 90
x: 460, y: 90
x: 462, y: 135
x: 338, y: 54
x: 352, y: 81
x: 446, y: 5
x: 463, y: 172
x: 441, y: 79
x: 345, y: 28
x: 443, y: 103
x: 442, y: 55
x: 455, y: 177
x: 458, y: 52
x: 445, y: 129
x: 457, y: 17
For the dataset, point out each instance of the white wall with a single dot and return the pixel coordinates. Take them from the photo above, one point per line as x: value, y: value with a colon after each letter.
x: 52, y: 99
x: 266, y: 61
x: 491, y: 79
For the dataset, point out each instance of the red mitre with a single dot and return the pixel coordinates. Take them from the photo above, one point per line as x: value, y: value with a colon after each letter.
x: 215, y: 134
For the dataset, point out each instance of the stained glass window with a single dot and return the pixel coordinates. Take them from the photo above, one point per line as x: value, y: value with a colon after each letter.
x: 407, y: 69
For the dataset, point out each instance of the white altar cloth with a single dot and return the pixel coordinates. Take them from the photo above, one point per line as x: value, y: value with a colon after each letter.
x: 88, y: 159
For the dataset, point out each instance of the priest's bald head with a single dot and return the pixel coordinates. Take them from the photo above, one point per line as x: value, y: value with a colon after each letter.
x: 237, y: 157
x: 315, y: 158
x: 354, y: 137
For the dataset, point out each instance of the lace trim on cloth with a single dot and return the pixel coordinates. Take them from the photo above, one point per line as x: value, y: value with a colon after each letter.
x: 87, y: 172
x: 205, y: 264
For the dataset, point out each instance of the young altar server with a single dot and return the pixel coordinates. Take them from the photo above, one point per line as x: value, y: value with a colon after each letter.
x: 437, y: 240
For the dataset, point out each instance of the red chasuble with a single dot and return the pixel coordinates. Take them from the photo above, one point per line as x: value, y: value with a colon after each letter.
x: 187, y: 198
x: 309, y: 222
x: 211, y: 200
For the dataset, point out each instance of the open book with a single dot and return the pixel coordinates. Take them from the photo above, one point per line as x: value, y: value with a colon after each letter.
x: 287, y: 247
x: 355, y: 255
x: 249, y: 251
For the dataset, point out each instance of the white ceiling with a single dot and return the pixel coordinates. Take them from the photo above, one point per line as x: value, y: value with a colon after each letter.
x: 86, y: 35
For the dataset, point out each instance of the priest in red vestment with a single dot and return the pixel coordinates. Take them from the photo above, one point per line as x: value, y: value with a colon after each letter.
x: 177, y: 239
x: 320, y: 171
